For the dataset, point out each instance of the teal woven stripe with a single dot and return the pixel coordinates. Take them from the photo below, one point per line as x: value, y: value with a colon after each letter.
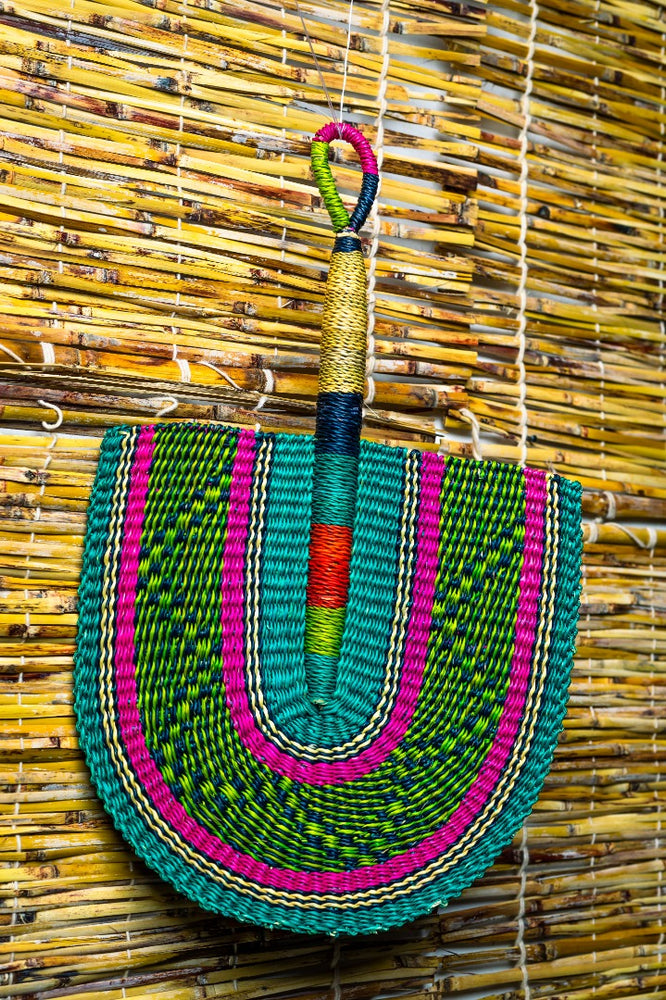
x: 320, y: 671
x: 334, y: 497
x: 569, y: 583
x: 86, y: 657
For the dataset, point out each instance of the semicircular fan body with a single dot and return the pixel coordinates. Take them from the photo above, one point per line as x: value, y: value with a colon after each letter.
x: 319, y: 681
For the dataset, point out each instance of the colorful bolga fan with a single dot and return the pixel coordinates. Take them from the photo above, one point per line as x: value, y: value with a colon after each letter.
x: 319, y: 681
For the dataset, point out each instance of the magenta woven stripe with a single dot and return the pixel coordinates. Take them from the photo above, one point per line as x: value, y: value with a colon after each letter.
x: 233, y: 597
x: 343, y: 130
x: 418, y: 630
x: 126, y: 595
x: 363, y: 878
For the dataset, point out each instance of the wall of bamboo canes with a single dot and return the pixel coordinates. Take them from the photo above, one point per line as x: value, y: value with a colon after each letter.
x: 161, y: 248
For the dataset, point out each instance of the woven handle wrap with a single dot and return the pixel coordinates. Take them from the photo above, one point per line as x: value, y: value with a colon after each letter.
x: 339, y: 411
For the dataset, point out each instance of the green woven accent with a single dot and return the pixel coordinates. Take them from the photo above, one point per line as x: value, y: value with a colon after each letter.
x: 101, y: 754
x: 324, y: 178
x: 192, y: 475
x: 470, y: 615
x: 566, y: 496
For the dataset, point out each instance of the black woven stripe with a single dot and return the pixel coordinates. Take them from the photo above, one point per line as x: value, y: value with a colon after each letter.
x: 346, y: 244
x: 365, y: 200
x: 338, y: 429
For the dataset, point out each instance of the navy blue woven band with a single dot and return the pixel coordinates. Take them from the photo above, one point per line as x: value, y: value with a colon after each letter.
x: 338, y: 423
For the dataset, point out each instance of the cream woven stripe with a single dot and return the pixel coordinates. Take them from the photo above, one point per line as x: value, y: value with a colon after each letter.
x: 541, y: 646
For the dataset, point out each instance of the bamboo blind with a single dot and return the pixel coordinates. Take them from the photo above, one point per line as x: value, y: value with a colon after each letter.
x: 161, y: 248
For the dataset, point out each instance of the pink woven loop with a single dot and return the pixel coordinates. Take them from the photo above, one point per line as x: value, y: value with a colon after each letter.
x: 343, y: 130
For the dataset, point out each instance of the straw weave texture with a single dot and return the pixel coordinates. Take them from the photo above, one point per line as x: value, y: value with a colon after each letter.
x: 161, y: 254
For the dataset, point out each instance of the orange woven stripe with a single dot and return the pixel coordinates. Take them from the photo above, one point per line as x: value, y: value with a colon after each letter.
x: 330, y: 551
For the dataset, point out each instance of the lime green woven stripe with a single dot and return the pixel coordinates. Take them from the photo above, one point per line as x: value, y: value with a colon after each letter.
x: 326, y: 184
x: 323, y: 631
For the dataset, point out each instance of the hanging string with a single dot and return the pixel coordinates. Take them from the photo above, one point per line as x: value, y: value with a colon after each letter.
x: 316, y: 61
x: 325, y: 89
x: 344, y: 75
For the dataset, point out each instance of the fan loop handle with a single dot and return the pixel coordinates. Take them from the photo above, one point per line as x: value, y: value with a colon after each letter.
x: 322, y: 174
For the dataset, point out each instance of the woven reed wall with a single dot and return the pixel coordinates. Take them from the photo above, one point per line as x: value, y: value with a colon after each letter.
x: 161, y: 248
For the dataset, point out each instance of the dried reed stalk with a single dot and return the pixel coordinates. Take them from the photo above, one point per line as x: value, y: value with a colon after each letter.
x: 158, y: 221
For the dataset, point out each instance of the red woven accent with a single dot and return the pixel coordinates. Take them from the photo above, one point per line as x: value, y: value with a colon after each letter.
x: 330, y: 551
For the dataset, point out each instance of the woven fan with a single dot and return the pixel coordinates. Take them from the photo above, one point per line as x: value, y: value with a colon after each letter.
x: 319, y: 681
